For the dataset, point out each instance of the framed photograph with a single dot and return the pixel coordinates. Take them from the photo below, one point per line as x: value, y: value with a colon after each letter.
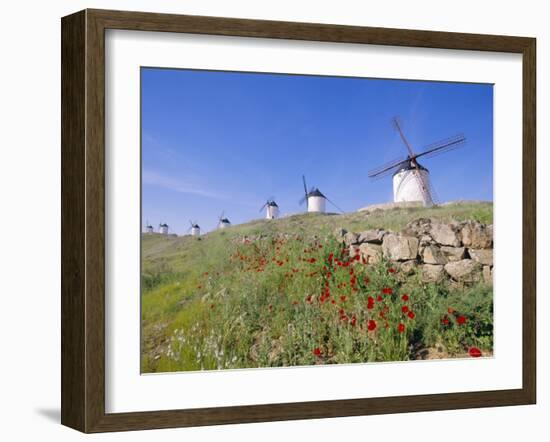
x: 267, y: 220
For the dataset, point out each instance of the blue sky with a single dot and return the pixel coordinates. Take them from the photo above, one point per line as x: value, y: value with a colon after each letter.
x: 214, y: 141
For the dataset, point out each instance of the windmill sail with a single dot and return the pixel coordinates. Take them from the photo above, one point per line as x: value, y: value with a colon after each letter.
x: 405, y: 169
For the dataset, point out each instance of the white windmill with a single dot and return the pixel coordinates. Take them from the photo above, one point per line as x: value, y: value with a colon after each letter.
x: 149, y: 228
x: 271, y: 209
x: 223, y: 222
x: 411, y: 180
x: 163, y: 229
x: 316, y: 201
x: 194, y: 229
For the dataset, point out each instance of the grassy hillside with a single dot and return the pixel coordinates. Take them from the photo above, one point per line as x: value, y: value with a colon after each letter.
x: 216, y: 302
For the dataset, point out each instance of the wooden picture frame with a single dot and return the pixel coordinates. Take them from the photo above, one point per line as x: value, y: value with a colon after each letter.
x: 83, y: 220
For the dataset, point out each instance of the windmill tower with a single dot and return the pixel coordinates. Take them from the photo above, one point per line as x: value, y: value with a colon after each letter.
x: 194, y: 229
x: 149, y: 228
x: 411, y: 180
x: 223, y: 222
x: 163, y: 229
x: 316, y: 201
x: 271, y: 209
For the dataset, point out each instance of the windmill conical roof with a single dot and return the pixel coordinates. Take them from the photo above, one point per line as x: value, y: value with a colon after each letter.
x: 410, y: 166
x: 315, y: 192
x: 272, y: 204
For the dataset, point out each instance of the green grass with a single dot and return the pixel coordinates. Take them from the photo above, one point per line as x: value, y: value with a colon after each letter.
x: 216, y: 302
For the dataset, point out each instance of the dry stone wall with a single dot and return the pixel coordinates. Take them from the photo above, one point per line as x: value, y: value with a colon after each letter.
x: 460, y: 252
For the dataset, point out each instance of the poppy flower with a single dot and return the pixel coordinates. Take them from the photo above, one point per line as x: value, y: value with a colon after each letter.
x: 445, y: 321
x: 343, y: 298
x: 461, y: 319
x: 405, y: 298
x: 405, y: 309
x: 371, y: 325
x: 392, y: 270
x: 387, y: 290
x: 353, y: 320
x: 317, y: 352
x: 401, y: 327
x: 379, y: 298
x: 411, y: 315
x: 475, y: 352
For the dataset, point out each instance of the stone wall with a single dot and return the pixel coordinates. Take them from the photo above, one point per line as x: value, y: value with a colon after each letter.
x: 460, y: 252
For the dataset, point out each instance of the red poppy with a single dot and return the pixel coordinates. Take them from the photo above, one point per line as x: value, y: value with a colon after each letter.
x: 332, y: 301
x: 445, y: 321
x: 387, y: 290
x: 343, y: 298
x: 405, y: 309
x: 312, y: 260
x: 401, y: 327
x: 317, y: 351
x: 405, y: 298
x: 330, y: 257
x: 475, y: 352
x: 309, y: 299
x: 371, y: 325
x: 392, y: 270
x: 461, y: 319
x: 379, y: 298
x: 411, y: 315
x: 353, y: 320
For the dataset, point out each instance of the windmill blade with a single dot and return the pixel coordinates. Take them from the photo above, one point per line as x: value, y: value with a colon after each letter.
x: 390, y: 166
x: 221, y: 216
x: 443, y: 146
x: 397, y: 126
x: 334, y: 205
x: 304, y: 199
x: 262, y: 208
x: 424, y: 187
x: 304, y: 181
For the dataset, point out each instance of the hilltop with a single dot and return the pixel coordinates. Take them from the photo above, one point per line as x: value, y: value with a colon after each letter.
x: 175, y: 251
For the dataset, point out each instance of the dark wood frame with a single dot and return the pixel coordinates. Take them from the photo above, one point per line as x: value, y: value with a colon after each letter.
x: 83, y: 217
